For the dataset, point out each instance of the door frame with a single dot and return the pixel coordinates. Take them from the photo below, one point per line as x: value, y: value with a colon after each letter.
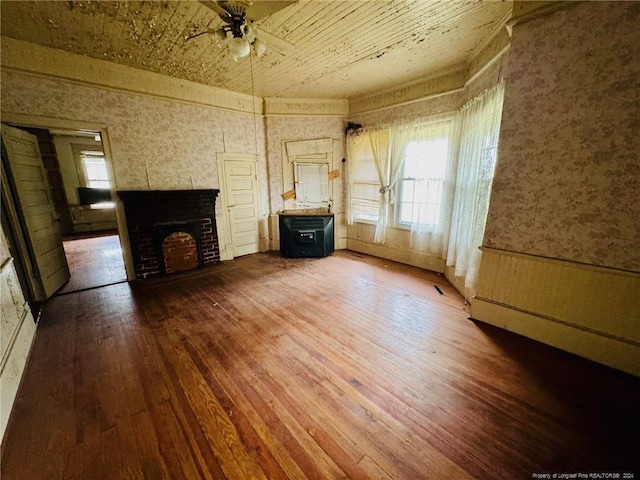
x: 22, y: 120
x: 223, y: 219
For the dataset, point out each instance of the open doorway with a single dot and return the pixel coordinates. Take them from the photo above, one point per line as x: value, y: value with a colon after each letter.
x: 81, y: 187
x: 91, y: 243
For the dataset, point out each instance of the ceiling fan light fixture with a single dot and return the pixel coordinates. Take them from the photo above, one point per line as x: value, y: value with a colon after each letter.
x: 260, y: 47
x: 238, y: 32
x: 239, y: 48
x: 220, y: 35
x: 249, y: 32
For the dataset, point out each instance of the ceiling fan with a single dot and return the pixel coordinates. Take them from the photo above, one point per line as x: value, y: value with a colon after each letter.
x: 239, y: 32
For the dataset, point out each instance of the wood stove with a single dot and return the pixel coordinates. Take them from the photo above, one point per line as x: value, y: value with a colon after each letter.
x: 306, y: 234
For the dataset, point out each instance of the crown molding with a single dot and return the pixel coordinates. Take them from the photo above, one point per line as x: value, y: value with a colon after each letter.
x: 492, y: 51
x: 525, y: 11
x: 491, y: 48
x: 306, y: 107
x: 26, y: 57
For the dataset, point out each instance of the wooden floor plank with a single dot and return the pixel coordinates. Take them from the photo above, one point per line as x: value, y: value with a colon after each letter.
x: 291, y: 372
x: 310, y: 452
x: 93, y: 261
x: 270, y: 368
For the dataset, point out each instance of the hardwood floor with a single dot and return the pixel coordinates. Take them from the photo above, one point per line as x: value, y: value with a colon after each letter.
x: 93, y: 262
x: 271, y: 368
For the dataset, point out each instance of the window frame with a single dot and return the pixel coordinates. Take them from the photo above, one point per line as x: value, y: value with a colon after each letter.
x: 363, y: 201
x: 399, y: 190
x: 87, y: 179
x: 445, y: 122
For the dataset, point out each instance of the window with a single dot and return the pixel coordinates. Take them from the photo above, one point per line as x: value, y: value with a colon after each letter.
x: 95, y: 169
x: 96, y: 174
x: 419, y: 190
x: 420, y: 187
x: 365, y: 189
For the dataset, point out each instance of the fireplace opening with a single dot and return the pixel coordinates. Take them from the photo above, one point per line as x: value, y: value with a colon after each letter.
x: 180, y: 252
x: 179, y: 245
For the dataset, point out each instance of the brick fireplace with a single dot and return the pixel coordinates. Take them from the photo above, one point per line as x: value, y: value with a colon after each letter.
x: 171, y: 230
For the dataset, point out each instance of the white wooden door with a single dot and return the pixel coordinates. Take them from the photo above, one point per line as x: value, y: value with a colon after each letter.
x: 37, y: 211
x: 241, y: 187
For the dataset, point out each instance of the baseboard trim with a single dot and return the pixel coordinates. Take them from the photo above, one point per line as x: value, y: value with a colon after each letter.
x: 400, y: 255
x: 619, y: 353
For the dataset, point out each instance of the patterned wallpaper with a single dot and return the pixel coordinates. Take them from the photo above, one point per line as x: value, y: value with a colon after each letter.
x: 431, y: 106
x: 155, y: 143
x: 287, y: 128
x: 567, y: 181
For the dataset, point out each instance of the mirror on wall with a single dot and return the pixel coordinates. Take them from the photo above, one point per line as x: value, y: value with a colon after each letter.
x: 311, y: 184
x: 306, y: 175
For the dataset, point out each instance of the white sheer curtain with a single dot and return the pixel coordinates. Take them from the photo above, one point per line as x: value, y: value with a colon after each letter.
x: 480, y: 127
x: 389, y: 145
x: 430, y: 165
x: 379, y: 139
x: 356, y: 144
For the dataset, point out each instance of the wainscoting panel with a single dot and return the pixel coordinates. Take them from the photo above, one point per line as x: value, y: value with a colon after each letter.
x: 396, y: 247
x: 407, y: 257
x: 591, y: 311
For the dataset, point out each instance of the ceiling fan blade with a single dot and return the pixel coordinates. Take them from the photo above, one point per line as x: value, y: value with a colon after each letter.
x: 256, y: 10
x: 191, y: 37
x: 275, y: 43
x: 213, y: 5
x: 259, y: 9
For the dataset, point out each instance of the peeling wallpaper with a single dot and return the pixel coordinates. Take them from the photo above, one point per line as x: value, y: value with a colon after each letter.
x: 567, y: 181
x: 155, y: 143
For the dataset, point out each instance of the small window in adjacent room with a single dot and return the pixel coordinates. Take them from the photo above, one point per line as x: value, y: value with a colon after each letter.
x: 95, y: 169
x: 96, y: 177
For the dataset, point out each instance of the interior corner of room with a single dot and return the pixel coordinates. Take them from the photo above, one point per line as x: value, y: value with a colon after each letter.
x: 510, y: 170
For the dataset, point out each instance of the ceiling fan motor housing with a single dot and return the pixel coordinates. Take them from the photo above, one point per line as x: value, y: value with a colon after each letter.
x: 236, y: 19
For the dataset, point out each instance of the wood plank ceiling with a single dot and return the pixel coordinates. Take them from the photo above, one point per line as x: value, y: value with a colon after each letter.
x: 343, y: 49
